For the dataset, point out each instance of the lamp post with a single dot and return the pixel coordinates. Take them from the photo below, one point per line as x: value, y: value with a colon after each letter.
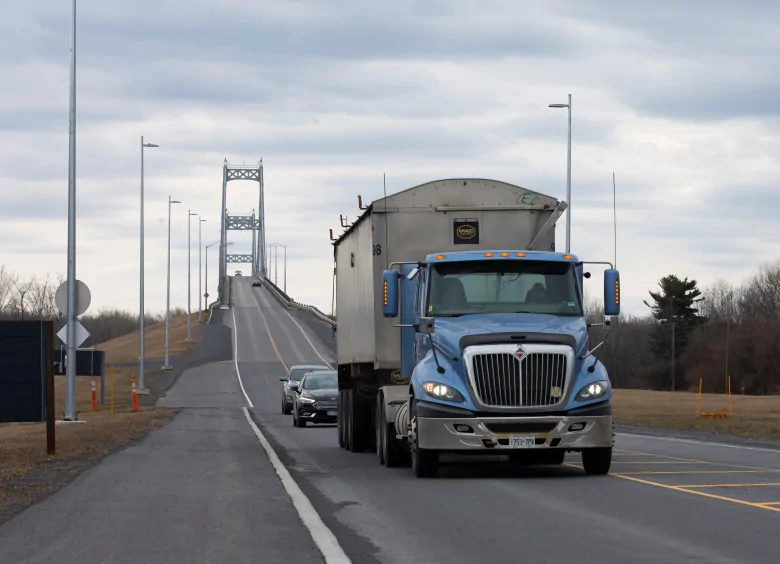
x: 189, y: 274
x: 70, y: 370
x: 201, y: 221
x: 568, y: 177
x: 167, y: 365
x: 142, y: 352
x: 275, y: 246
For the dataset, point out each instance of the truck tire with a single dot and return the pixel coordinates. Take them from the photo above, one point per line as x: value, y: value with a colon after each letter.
x: 597, y: 461
x: 425, y: 462
x: 360, y: 425
x: 340, y: 418
x: 390, y: 451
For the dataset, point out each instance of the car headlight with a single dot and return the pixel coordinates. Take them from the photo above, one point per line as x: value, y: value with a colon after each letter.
x: 441, y: 391
x: 593, y: 390
x: 306, y: 400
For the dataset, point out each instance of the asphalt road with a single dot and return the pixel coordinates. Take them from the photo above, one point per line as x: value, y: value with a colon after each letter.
x: 666, y: 500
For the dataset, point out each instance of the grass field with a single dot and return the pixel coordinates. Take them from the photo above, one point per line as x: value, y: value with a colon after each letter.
x: 751, y: 416
x: 27, y: 472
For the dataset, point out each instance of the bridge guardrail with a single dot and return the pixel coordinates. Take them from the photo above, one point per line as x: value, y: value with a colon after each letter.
x: 289, y: 302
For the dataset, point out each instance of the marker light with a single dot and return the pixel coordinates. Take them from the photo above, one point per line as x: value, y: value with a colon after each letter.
x: 520, y: 254
x: 504, y: 254
x: 488, y: 254
x: 567, y: 257
x: 440, y: 257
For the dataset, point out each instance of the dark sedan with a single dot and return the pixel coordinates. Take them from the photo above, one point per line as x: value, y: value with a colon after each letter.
x: 292, y: 380
x: 316, y: 399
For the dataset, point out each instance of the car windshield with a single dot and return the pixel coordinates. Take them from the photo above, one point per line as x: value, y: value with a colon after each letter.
x: 503, y: 286
x: 297, y: 373
x: 321, y: 381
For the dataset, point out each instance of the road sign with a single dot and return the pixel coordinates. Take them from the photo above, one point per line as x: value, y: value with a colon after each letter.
x: 83, y: 298
x: 81, y: 334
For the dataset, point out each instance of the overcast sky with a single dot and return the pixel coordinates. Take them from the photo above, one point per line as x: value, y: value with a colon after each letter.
x: 679, y: 99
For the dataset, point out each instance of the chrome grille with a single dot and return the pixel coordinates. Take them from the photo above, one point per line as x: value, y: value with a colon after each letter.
x: 531, y: 380
x: 325, y: 405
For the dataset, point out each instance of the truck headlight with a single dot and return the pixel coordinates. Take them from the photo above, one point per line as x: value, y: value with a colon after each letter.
x: 441, y: 391
x: 593, y: 390
x: 307, y: 400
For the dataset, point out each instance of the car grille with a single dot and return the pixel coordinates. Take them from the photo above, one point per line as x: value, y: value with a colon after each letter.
x: 533, y: 380
x: 325, y: 405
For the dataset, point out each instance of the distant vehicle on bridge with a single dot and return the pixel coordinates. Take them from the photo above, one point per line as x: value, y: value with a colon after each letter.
x: 490, y: 350
x: 238, y: 273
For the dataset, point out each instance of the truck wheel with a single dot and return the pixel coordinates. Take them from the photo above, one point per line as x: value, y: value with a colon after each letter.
x: 597, y: 461
x: 425, y: 462
x: 380, y: 435
x: 359, y: 424
x: 340, y: 419
x: 392, y: 451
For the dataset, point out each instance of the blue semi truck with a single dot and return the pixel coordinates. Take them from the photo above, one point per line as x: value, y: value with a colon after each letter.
x: 462, y: 330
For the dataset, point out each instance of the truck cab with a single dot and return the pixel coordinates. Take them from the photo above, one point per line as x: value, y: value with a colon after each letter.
x: 496, y: 347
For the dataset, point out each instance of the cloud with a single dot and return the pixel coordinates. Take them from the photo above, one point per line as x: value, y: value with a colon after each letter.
x: 676, y: 98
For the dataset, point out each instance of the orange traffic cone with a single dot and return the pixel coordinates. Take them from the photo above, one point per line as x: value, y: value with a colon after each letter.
x: 94, y: 396
x: 135, y: 396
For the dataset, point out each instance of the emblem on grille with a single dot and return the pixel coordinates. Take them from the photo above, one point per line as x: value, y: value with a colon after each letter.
x: 520, y: 353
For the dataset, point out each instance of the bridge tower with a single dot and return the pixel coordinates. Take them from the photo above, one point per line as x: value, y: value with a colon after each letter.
x: 254, y: 223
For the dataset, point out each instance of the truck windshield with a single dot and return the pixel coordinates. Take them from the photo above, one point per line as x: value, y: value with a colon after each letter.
x: 503, y: 286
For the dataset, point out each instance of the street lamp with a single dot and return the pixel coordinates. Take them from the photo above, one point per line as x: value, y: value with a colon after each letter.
x: 206, y: 293
x: 167, y: 365
x: 142, y: 352
x: 568, y: 178
x: 200, y: 270
x: 276, y: 245
x: 189, y: 274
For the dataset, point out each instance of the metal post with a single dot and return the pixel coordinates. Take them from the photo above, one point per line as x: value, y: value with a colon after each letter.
x: 568, y: 177
x: 671, y: 320
x: 70, y: 370
x: 167, y: 365
x: 568, y: 187
x: 276, y: 266
x: 285, y: 268
x: 200, y: 270
x: 189, y: 275
x: 142, y: 316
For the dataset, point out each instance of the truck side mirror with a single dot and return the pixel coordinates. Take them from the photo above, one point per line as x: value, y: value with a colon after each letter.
x: 427, y: 325
x: 390, y: 293
x: 611, y: 292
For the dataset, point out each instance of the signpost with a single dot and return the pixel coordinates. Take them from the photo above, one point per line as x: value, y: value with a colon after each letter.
x: 82, y: 300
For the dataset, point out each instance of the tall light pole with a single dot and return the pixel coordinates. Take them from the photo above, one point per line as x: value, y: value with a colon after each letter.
x: 189, y: 274
x: 568, y: 177
x: 142, y: 352
x: 167, y: 365
x: 276, y: 250
x: 70, y: 370
x: 201, y: 221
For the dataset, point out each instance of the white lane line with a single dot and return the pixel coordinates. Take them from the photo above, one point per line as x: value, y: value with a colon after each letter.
x: 305, y: 336
x: 696, y: 442
x: 235, y: 357
x: 323, y: 537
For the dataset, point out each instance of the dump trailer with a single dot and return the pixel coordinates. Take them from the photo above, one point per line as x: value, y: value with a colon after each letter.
x: 462, y: 330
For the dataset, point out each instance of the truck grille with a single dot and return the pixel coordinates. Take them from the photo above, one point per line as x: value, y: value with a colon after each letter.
x: 533, y: 380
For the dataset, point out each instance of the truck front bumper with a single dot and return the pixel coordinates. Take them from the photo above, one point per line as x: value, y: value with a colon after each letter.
x: 497, y: 434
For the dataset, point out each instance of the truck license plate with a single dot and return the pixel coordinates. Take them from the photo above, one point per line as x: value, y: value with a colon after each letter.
x: 522, y: 441
x: 332, y: 413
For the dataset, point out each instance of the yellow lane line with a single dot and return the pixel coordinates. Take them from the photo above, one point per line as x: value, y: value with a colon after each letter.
x: 703, y: 494
x: 273, y: 343
x: 767, y: 484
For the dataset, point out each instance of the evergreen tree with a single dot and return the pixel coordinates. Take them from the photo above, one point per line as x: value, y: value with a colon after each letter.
x: 675, y: 310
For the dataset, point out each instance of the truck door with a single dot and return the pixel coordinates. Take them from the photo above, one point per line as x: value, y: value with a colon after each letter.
x: 421, y: 341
